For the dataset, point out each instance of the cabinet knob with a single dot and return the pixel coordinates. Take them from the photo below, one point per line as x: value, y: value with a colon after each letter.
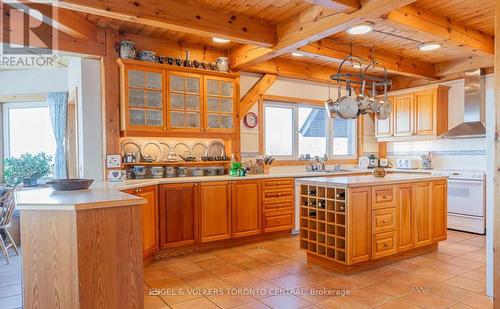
x: 386, y: 245
x: 385, y: 221
x: 385, y: 197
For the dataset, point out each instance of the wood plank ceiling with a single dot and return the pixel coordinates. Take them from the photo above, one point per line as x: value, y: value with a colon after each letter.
x: 465, y: 28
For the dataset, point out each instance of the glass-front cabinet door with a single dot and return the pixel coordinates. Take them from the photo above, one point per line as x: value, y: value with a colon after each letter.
x: 219, y: 109
x: 185, y: 102
x: 145, y: 95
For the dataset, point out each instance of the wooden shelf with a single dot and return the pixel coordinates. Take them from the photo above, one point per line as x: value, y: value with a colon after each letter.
x: 179, y: 163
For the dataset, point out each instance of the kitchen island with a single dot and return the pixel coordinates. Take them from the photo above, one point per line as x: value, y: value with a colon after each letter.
x: 348, y: 223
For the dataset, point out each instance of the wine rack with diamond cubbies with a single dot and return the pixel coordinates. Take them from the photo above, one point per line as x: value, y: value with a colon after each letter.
x: 323, y: 221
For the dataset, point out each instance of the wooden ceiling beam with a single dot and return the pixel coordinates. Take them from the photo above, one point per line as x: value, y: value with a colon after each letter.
x: 309, y: 26
x: 256, y: 92
x: 329, y: 51
x: 179, y: 16
x: 344, y: 6
x: 45, y: 33
x: 441, y: 29
x: 462, y: 65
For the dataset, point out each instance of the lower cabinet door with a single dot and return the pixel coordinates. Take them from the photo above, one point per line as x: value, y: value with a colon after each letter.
x: 422, y: 213
x: 177, y: 215
x: 246, y: 208
x: 439, y: 210
x: 215, y: 211
x: 405, y: 216
x: 359, y: 232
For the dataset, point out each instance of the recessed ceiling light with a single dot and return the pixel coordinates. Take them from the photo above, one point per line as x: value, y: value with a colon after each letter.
x: 429, y: 46
x: 361, y: 28
x: 220, y: 40
x: 295, y: 54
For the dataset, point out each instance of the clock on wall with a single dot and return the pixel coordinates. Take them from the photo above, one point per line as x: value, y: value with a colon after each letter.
x: 251, y: 120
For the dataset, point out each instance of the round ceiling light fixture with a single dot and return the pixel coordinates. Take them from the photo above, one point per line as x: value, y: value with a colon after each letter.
x: 428, y: 46
x: 220, y: 40
x: 295, y: 54
x: 363, y: 28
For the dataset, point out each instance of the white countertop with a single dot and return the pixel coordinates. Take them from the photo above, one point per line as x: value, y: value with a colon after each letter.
x: 99, y: 195
x: 368, y: 180
x: 406, y: 170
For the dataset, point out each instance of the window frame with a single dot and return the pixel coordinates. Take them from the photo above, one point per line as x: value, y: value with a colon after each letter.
x: 6, y: 119
x: 295, y: 141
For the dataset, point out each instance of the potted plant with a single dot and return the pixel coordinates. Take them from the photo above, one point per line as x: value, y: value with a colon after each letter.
x: 27, y: 169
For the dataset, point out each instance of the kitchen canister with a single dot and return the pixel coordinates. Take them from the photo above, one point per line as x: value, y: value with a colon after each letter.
x: 127, y: 50
x: 222, y: 64
x: 170, y: 171
x: 157, y: 171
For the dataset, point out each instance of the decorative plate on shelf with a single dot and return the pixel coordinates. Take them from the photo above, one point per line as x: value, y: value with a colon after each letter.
x: 251, y: 120
x: 215, y: 149
x: 199, y: 150
x: 151, y: 151
x: 181, y: 149
x: 165, y: 150
x: 130, y: 147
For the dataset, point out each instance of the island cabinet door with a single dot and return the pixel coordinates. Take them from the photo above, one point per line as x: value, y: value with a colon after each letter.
x: 359, y: 225
x: 177, y: 215
x: 246, y: 208
x: 439, y: 210
x: 405, y: 235
x: 422, y: 201
x: 215, y: 211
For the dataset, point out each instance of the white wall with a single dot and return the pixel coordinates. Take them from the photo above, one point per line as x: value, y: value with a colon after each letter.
x: 469, y: 153
x: 38, y: 81
x: 297, y: 89
x: 84, y: 74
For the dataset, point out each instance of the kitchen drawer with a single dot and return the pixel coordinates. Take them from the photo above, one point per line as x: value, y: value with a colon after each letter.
x: 278, y: 206
x: 383, y: 245
x: 277, y: 195
x: 383, y: 220
x: 383, y: 197
x: 278, y: 221
x: 276, y: 183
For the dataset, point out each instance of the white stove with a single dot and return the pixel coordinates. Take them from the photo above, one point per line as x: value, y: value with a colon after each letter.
x: 466, y: 200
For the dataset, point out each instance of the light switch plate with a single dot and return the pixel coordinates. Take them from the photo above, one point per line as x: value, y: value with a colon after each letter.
x: 113, y: 161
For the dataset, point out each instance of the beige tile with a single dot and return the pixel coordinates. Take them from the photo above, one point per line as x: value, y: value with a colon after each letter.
x: 210, y: 263
x: 433, y: 274
x: 476, y: 274
x: 479, y: 301
x: 394, y: 289
x: 467, y: 284
x: 284, y: 302
x: 460, y: 306
x: 450, y: 268
x: 197, y: 276
x: 290, y: 281
x: 412, y: 280
x: 449, y: 291
x: 229, y: 301
x: 465, y: 263
x: 428, y: 300
x: 252, y: 305
x: 200, y: 303
x: 184, y: 266
x: 179, y: 295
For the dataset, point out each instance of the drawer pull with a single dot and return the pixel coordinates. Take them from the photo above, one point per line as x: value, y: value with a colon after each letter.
x: 385, y: 197
x: 386, y: 246
x: 385, y: 221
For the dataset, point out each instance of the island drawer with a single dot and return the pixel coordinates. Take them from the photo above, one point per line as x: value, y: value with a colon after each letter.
x: 383, y: 245
x: 278, y: 221
x: 383, y: 197
x: 276, y: 183
x: 275, y: 195
x: 383, y: 220
x: 280, y: 205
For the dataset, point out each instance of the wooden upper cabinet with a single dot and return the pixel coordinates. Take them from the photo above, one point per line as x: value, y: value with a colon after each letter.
x: 215, y: 211
x: 185, y: 101
x: 143, y: 107
x: 422, y: 212
x: 359, y: 232
x: 246, y: 208
x: 439, y: 210
x: 419, y: 114
x: 405, y: 226
x: 403, y: 115
x: 219, y: 104
x: 178, y: 214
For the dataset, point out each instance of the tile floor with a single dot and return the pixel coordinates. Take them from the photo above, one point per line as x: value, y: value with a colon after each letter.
x: 259, y: 275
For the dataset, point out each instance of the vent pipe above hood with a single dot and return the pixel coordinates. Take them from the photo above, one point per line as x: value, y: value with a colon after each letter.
x: 474, y: 97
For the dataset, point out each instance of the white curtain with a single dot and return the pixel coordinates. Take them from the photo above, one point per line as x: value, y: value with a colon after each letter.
x: 58, y: 110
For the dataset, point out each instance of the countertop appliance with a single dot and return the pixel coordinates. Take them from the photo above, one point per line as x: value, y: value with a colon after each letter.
x: 407, y: 163
x: 383, y: 162
x: 466, y: 200
x: 372, y: 161
x: 363, y: 163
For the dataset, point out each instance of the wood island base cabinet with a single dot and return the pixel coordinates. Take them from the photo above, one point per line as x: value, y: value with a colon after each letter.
x: 348, y: 229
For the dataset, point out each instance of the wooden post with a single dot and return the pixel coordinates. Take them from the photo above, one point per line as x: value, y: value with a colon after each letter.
x: 496, y: 172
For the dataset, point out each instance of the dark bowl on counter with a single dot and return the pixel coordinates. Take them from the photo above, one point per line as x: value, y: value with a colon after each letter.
x: 70, y: 184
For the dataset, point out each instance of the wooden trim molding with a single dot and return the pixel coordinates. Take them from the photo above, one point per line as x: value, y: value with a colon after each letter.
x: 284, y: 99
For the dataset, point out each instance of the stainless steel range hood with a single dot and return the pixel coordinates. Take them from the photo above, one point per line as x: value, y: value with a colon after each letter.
x: 474, y: 97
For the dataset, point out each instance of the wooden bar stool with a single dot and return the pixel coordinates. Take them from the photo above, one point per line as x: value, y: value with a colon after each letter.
x: 7, y: 205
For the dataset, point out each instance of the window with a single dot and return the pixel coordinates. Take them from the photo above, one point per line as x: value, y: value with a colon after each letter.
x: 27, y: 129
x: 292, y: 130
